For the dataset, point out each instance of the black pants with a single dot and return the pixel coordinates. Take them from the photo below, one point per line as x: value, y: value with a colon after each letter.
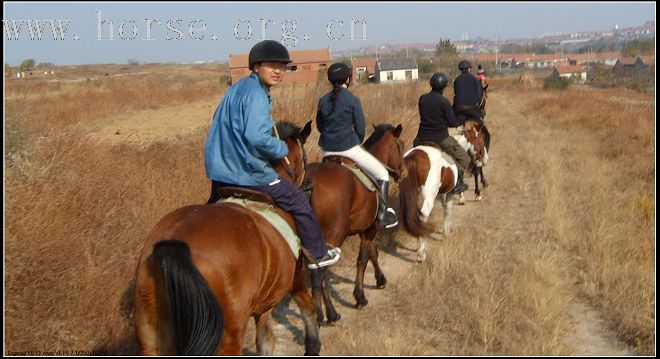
x: 293, y: 200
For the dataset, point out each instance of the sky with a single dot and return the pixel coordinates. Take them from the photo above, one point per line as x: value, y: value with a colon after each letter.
x: 190, y: 32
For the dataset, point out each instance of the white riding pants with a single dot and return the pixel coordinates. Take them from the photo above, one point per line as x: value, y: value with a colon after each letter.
x: 365, y: 160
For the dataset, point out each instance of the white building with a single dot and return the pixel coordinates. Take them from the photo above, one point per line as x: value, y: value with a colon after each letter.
x: 396, y: 70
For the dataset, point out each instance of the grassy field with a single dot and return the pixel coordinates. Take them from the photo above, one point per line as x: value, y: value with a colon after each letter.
x: 570, y: 218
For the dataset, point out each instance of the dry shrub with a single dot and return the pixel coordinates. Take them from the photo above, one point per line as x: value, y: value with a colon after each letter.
x: 526, y: 80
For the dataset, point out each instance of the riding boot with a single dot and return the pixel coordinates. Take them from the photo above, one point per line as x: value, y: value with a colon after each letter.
x: 386, y: 216
x: 460, y: 186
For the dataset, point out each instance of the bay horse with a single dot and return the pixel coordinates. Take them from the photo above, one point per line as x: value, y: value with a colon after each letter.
x: 206, y: 269
x: 344, y: 207
x: 432, y: 173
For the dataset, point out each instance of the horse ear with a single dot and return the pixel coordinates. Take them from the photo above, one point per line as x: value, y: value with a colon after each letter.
x: 306, y: 131
x: 397, y: 131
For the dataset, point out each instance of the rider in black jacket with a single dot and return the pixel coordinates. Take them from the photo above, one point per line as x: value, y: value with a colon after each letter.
x: 467, y: 94
x: 436, y: 115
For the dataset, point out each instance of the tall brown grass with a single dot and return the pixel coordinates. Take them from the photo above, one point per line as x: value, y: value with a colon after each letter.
x: 77, y: 213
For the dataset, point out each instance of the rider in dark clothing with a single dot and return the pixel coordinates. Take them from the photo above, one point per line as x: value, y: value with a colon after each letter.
x: 467, y: 94
x: 436, y: 115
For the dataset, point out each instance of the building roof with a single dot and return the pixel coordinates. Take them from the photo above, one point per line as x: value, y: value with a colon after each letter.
x: 298, y: 57
x: 527, y: 57
x: 403, y: 63
x: 629, y: 60
x: 570, y: 69
x: 368, y: 62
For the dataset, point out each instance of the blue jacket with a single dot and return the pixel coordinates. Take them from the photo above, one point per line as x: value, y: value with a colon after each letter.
x: 241, y: 142
x: 342, y: 128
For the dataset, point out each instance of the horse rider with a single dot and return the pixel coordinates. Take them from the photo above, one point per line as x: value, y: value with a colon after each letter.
x: 241, y: 144
x: 436, y: 115
x: 481, y: 75
x: 467, y: 94
x: 340, y: 121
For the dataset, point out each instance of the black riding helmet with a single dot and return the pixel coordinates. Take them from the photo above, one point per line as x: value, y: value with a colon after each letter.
x: 268, y: 50
x: 464, y: 65
x: 439, y: 81
x: 339, y: 72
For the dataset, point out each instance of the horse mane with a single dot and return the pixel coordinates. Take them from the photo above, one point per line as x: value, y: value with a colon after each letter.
x: 287, y: 130
x: 379, y: 132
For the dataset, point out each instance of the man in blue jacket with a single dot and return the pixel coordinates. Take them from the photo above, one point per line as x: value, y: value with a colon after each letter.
x: 241, y: 144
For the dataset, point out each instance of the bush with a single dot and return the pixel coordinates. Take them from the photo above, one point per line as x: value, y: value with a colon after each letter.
x: 556, y: 83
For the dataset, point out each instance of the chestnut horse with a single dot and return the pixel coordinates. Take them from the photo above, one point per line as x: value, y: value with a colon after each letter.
x: 206, y: 269
x: 344, y: 207
x: 433, y: 173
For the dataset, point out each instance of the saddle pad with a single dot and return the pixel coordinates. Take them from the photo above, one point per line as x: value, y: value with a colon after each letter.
x: 445, y: 156
x: 273, y: 218
x: 366, y: 181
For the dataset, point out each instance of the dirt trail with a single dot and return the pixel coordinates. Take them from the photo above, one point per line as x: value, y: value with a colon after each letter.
x: 514, y: 193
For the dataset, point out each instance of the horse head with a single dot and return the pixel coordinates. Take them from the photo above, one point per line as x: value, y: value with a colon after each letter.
x: 385, y: 144
x: 477, y: 136
x: 293, y: 166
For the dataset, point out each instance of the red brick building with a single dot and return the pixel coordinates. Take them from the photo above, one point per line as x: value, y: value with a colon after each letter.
x: 308, y: 66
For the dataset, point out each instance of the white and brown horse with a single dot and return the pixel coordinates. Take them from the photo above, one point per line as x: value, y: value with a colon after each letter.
x: 432, y: 173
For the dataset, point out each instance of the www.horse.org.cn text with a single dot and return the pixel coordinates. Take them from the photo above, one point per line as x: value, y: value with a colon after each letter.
x: 289, y: 31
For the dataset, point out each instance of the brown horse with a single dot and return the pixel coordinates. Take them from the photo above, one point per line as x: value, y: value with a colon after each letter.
x: 433, y: 173
x: 344, y: 207
x: 206, y: 269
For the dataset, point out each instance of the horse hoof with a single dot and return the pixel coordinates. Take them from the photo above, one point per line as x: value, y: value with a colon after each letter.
x: 333, y: 319
x: 380, y: 283
x: 361, y: 303
x: 485, y: 184
x: 477, y: 199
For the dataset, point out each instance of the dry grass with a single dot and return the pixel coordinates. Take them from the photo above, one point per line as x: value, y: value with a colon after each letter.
x: 78, y: 211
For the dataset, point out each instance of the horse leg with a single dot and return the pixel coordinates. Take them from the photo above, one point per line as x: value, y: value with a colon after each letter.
x: 483, y: 179
x: 363, y: 259
x: 421, y: 249
x: 152, y: 313
x: 447, y: 205
x: 381, y: 281
x: 330, y: 311
x: 317, y: 279
x: 265, y: 339
x: 477, y: 191
x: 232, y: 342
x: 307, y: 309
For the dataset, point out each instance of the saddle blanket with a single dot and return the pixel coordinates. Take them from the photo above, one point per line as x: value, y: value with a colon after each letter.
x: 273, y: 218
x: 366, y: 180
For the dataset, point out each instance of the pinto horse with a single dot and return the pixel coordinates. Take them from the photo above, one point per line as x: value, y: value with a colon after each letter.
x: 206, y: 269
x: 344, y: 207
x: 432, y: 173
x: 479, y: 136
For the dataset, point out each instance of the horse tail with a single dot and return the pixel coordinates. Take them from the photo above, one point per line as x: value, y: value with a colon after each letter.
x: 409, y: 195
x: 196, y: 315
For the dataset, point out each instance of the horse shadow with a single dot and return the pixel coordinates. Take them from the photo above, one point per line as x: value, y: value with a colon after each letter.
x: 127, y: 343
x: 391, y: 246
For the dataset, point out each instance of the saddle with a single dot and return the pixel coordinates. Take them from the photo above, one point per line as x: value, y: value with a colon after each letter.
x: 366, y: 180
x: 264, y: 205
